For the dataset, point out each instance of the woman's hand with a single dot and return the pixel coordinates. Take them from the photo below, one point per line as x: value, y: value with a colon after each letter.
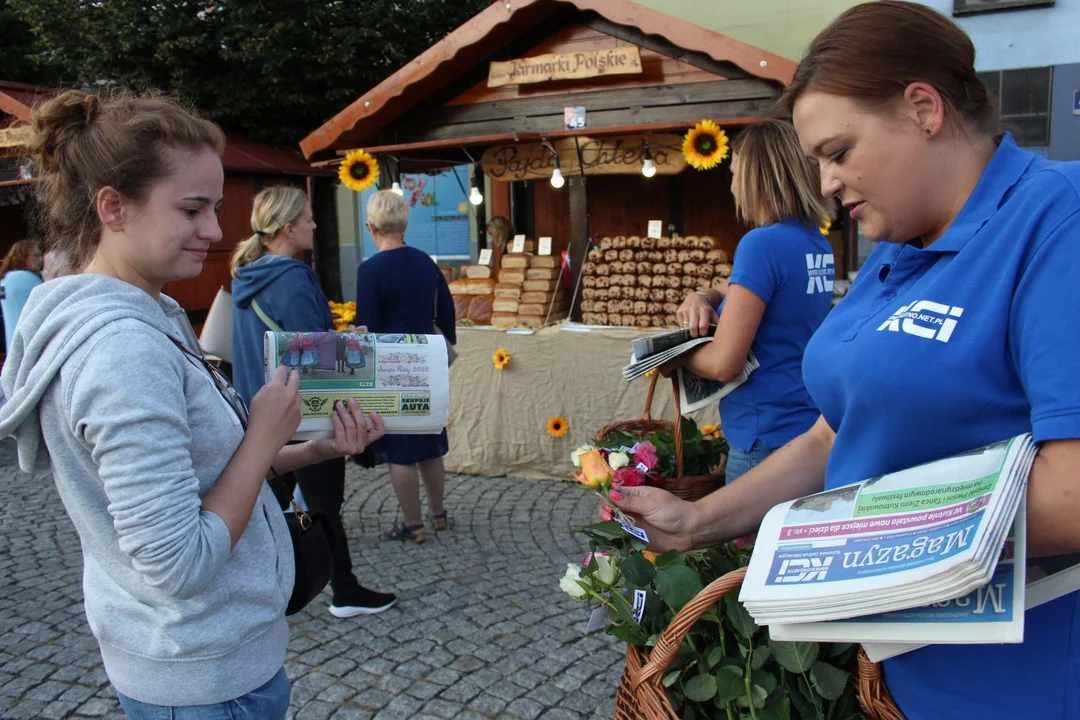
x: 351, y: 432
x: 275, y: 410
x: 356, y: 329
x: 669, y: 521
x: 696, y: 314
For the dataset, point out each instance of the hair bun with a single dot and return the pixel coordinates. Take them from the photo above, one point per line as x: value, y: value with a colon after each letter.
x: 57, y: 121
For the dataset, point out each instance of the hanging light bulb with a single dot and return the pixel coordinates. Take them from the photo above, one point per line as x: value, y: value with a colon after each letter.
x: 648, y: 169
x: 475, y: 196
x: 557, y: 180
x: 396, y: 187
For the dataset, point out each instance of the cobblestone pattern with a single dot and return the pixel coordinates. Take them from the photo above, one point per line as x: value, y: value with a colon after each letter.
x: 480, y: 630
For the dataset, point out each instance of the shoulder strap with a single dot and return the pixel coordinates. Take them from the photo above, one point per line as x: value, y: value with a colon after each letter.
x: 265, y: 318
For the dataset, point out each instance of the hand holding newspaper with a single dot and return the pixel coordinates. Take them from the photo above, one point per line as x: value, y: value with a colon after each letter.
x: 402, y: 377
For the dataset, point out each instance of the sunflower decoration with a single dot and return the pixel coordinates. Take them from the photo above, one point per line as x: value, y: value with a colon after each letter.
x: 705, y: 145
x: 358, y: 171
x: 650, y: 373
x: 344, y: 314
x: 708, y: 430
x: 501, y: 358
x: 826, y: 227
x: 557, y: 426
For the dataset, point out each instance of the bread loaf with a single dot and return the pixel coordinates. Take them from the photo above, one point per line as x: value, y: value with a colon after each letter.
x: 545, y: 285
x: 513, y: 275
x: 459, y: 287
x: 503, y: 305
x: 509, y: 291
x: 478, y: 286
x: 542, y: 273
x: 542, y: 308
x: 539, y: 296
x: 476, y: 271
x: 530, y: 321
x: 515, y: 260
x: 504, y: 321
x: 545, y: 261
x: 448, y: 274
x: 480, y: 309
x: 461, y: 306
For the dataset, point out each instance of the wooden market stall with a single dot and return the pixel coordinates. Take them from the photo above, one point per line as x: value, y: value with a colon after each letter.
x: 588, y: 90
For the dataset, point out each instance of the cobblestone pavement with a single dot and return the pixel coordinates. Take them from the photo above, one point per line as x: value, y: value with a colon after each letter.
x: 481, y: 629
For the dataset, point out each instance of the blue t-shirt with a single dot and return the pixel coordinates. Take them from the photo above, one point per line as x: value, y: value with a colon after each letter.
x: 941, y: 350
x: 16, y: 285
x: 790, y: 267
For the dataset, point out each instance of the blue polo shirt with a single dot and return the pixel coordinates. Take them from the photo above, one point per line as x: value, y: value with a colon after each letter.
x: 940, y: 350
x: 790, y: 267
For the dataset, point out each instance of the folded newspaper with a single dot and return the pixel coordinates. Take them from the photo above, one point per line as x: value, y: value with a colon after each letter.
x: 919, y: 536
x: 403, y: 377
x: 695, y: 392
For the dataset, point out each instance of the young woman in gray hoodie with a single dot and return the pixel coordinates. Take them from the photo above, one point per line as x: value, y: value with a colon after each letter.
x: 188, y: 564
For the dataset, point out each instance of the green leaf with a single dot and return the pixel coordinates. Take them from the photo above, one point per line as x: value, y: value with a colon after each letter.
x: 738, y: 616
x: 609, y: 530
x: 757, y: 696
x: 729, y: 683
x: 796, y: 657
x: 638, y: 544
x: 677, y: 585
x: 701, y: 688
x: 776, y: 710
x: 801, y: 697
x: 671, y: 557
x: 625, y: 633
x: 637, y: 570
x: 716, y: 655
x: 830, y: 682
x: 671, y: 677
x: 764, y: 679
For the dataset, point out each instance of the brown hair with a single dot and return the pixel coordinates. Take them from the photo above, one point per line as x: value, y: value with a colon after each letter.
x: 776, y: 181
x: 500, y: 230
x: 82, y: 142
x: 19, y: 256
x: 873, y: 51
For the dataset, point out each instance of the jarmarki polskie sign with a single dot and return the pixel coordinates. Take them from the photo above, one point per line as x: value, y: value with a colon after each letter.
x: 624, y: 60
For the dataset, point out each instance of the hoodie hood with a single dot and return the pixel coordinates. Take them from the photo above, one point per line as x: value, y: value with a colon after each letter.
x: 253, y: 278
x: 58, y: 318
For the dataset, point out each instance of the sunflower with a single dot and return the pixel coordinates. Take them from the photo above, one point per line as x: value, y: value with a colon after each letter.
x: 826, y: 227
x: 557, y: 426
x: 358, y: 171
x: 708, y: 429
x: 650, y: 373
x: 705, y: 145
x: 500, y: 358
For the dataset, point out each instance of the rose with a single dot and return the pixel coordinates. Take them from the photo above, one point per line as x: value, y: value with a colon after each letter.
x: 571, y: 582
x: 746, y: 541
x: 645, y: 453
x: 628, y: 477
x: 607, y: 568
x: 618, y: 460
x: 575, y: 457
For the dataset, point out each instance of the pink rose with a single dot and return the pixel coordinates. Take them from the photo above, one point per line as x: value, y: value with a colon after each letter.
x: 645, y: 453
x: 589, y: 558
x: 746, y: 541
x: 628, y: 477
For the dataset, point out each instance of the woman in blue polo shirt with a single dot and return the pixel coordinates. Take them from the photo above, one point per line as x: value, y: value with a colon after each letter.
x: 961, y: 330
x: 779, y: 292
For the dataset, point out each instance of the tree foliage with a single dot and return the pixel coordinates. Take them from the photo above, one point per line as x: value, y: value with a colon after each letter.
x: 270, y: 70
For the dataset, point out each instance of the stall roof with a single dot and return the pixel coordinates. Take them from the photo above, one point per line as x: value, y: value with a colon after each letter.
x: 498, y: 25
x: 19, y: 99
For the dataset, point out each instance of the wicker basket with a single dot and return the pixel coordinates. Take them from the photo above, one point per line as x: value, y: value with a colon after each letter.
x: 687, y: 488
x: 641, y: 693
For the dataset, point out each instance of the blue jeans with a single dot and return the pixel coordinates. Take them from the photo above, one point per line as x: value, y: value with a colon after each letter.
x: 739, y: 461
x: 269, y: 702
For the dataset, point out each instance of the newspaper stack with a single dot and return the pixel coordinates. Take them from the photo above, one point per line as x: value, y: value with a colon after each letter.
x: 403, y: 377
x: 695, y: 392
x: 903, y: 540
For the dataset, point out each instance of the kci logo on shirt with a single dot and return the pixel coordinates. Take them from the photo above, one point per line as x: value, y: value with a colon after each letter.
x: 819, y: 268
x: 925, y: 319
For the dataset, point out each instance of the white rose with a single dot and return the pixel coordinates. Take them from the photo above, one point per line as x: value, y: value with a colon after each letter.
x: 570, y: 583
x: 607, y: 569
x: 575, y: 457
x: 618, y: 460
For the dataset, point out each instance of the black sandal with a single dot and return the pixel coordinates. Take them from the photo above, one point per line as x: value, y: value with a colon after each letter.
x: 440, y: 521
x: 407, y: 533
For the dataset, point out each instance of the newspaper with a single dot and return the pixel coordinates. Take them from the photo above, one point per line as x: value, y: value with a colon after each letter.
x: 993, y: 613
x: 403, y: 377
x: 653, y: 351
x: 696, y: 392
x: 894, y: 542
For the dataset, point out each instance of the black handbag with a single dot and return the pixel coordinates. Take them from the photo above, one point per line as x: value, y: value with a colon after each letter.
x: 311, y: 533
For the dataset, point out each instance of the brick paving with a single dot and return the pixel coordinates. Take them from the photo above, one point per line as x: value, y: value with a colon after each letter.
x: 481, y: 629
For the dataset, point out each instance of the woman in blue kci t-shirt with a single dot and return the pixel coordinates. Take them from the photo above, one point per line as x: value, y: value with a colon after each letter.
x: 961, y: 330
x: 779, y: 292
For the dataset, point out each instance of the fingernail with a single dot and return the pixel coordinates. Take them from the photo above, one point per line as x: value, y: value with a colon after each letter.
x: 606, y: 509
x: 606, y: 516
x: 615, y: 495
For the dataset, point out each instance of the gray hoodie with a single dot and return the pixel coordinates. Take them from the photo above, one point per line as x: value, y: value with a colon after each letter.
x: 137, y: 433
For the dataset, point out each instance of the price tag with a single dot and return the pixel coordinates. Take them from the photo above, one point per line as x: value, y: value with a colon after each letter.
x: 545, y: 246
x: 519, y: 244
x: 597, y: 620
x: 656, y: 228
x: 485, y: 256
x: 635, y: 531
x: 639, y: 604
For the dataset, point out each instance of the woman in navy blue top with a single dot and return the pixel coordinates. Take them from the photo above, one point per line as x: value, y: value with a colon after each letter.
x: 402, y: 290
x: 779, y: 292
x: 961, y: 330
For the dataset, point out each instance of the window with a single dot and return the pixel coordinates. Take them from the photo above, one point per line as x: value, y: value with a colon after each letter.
x: 971, y: 7
x: 1024, y: 99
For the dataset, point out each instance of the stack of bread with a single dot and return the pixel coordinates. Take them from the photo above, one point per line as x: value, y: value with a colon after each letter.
x: 529, y: 293
x: 474, y: 295
x: 641, y: 282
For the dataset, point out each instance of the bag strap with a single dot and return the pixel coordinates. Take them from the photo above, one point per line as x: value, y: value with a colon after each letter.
x: 267, y: 319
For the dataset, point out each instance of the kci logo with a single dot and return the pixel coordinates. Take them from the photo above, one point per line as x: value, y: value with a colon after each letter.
x: 925, y: 319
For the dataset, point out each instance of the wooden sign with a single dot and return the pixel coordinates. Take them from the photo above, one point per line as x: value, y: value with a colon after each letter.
x: 623, y: 60
x: 15, y: 136
x: 615, y: 155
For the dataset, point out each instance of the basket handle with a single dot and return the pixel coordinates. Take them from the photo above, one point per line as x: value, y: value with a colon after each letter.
x: 647, y: 417
x: 671, y: 639
x: 678, y: 429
